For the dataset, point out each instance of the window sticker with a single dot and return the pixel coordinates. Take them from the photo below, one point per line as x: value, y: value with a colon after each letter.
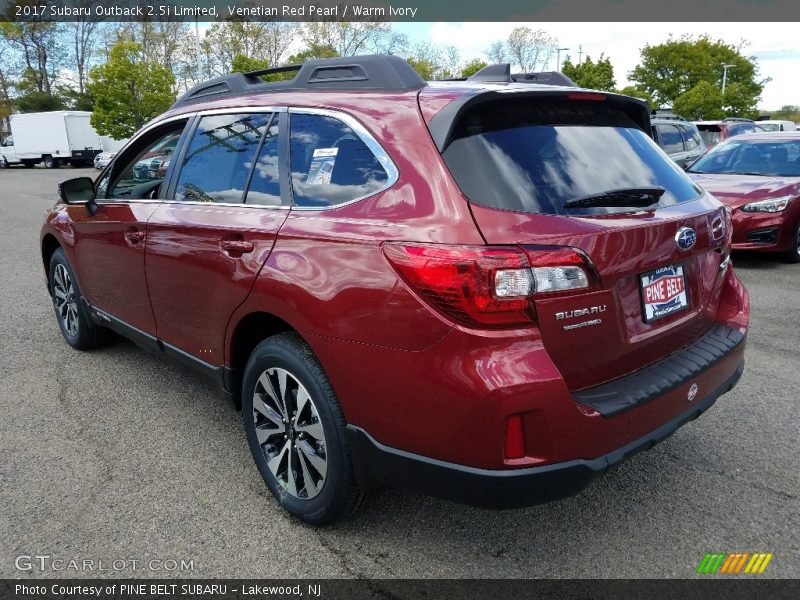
x: 321, y: 167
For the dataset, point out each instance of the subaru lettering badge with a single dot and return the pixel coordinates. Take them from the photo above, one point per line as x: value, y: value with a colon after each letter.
x: 685, y: 238
x: 692, y: 392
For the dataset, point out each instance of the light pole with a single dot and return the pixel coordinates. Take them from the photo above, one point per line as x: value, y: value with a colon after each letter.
x: 725, y: 76
x: 558, y: 58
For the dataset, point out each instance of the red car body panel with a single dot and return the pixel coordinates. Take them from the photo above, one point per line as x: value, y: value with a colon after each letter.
x: 403, y: 372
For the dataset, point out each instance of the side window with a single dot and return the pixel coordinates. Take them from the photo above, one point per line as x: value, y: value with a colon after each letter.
x: 330, y: 164
x: 219, y: 158
x: 139, y: 173
x: 670, y: 139
x: 265, y: 185
x: 691, y: 138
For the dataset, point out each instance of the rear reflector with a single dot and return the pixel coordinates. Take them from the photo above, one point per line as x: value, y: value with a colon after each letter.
x: 515, y: 438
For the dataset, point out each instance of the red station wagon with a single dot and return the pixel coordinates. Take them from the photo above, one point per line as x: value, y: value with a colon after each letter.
x: 489, y: 290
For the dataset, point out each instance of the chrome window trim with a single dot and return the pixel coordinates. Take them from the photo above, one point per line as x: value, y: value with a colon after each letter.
x: 365, y: 136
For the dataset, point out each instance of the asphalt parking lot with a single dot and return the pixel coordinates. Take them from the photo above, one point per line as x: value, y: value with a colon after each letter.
x: 117, y: 455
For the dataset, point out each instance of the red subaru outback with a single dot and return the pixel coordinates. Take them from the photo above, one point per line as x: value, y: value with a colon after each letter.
x: 489, y: 290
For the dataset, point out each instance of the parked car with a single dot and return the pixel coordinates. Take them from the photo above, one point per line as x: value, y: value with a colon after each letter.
x: 101, y: 160
x: 714, y: 132
x: 679, y: 138
x: 487, y: 290
x: 758, y: 177
x: 777, y: 125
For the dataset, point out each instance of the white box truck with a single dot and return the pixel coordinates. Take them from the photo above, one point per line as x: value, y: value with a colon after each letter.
x: 53, y: 138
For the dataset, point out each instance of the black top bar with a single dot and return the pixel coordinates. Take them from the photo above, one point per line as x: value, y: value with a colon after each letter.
x: 371, y: 72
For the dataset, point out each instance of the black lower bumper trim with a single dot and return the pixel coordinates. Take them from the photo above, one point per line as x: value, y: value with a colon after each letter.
x: 628, y: 392
x: 376, y: 464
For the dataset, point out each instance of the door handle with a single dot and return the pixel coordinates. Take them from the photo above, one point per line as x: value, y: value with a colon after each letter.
x: 237, y: 246
x: 134, y: 237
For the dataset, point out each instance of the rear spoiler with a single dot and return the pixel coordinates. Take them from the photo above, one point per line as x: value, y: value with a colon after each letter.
x: 443, y: 123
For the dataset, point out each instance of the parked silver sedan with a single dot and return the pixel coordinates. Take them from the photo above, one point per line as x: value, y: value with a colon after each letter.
x: 102, y: 159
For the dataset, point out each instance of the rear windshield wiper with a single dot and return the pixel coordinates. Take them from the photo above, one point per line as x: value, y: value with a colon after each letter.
x: 637, y: 197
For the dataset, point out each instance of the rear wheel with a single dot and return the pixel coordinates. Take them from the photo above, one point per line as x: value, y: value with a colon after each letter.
x: 793, y: 254
x: 296, y: 431
x: 50, y: 162
x: 76, y: 327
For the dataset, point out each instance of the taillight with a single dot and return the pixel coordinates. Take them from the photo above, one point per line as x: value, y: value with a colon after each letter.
x: 487, y: 286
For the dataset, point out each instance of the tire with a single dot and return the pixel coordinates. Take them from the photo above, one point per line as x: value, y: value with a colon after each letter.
x: 75, y: 324
x: 50, y: 162
x: 3, y: 162
x: 281, y: 376
x: 793, y: 254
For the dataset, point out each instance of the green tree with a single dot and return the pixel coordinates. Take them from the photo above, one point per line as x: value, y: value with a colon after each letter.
x: 244, y: 64
x: 737, y: 102
x: 703, y: 101
x: 425, y: 68
x: 632, y: 90
x: 314, y: 51
x: 673, y: 68
x: 128, y: 91
x: 589, y: 74
x: 472, y: 67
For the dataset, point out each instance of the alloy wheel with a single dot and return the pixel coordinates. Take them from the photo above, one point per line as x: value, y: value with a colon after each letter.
x: 65, y: 300
x: 289, y: 433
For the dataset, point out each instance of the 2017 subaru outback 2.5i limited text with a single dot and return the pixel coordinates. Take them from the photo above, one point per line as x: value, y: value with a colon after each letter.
x: 489, y: 290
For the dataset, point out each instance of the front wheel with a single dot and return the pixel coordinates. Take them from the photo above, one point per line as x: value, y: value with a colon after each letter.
x: 3, y: 162
x: 793, y: 254
x: 296, y: 431
x: 76, y: 327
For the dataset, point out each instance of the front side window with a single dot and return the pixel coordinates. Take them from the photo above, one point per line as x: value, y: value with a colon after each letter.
x: 140, y: 171
x: 330, y: 163
x: 219, y: 158
x: 539, y: 155
x: 670, y: 138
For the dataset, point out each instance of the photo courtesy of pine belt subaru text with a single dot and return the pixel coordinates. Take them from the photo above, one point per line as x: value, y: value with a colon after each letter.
x: 489, y: 290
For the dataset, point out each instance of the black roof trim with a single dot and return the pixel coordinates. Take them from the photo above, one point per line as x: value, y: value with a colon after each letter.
x: 370, y: 72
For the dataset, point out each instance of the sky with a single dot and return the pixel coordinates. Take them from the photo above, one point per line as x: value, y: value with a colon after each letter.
x: 775, y: 46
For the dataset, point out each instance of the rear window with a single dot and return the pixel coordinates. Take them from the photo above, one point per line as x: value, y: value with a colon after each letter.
x: 709, y: 133
x: 533, y: 156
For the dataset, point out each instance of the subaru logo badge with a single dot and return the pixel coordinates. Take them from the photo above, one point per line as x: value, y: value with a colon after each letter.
x: 685, y: 238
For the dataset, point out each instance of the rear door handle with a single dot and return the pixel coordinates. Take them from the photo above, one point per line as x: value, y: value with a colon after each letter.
x: 134, y: 237
x: 237, y: 246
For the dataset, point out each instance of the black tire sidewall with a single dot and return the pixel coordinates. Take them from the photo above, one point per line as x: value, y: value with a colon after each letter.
x: 84, y: 338
x: 4, y: 164
x: 793, y: 254
x: 333, y: 502
x: 50, y: 162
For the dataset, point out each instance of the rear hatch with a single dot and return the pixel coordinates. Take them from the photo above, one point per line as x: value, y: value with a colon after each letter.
x: 575, y: 173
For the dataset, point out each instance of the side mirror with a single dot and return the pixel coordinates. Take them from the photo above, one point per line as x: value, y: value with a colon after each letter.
x: 79, y: 190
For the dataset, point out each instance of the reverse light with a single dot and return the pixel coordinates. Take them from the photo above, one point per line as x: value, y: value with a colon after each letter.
x: 772, y: 205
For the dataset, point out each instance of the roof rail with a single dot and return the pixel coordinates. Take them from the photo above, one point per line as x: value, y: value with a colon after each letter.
x: 501, y: 73
x: 668, y: 117
x: 370, y: 72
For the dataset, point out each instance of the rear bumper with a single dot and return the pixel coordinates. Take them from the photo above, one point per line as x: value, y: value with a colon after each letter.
x: 377, y: 464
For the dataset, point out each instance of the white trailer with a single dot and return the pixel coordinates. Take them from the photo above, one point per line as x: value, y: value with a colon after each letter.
x: 53, y: 138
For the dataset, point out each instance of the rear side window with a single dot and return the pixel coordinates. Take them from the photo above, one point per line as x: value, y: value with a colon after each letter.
x: 220, y: 157
x: 670, y: 138
x: 536, y: 155
x: 265, y: 187
x: 330, y: 163
x: 691, y: 137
